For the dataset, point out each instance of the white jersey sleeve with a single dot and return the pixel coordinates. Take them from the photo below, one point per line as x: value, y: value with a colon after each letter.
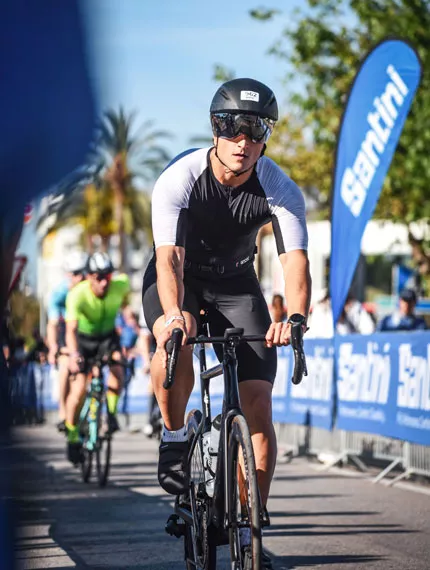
x: 286, y: 205
x: 171, y: 196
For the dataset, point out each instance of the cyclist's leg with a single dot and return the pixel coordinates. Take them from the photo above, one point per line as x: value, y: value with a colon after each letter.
x: 173, y: 402
x: 239, y: 302
x: 75, y: 399
x: 64, y: 384
x: 256, y: 402
x: 78, y: 383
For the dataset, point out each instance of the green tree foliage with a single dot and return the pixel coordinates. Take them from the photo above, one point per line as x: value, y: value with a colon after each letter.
x: 325, y: 44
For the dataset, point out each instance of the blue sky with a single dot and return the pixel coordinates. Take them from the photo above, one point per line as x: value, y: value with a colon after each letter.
x: 157, y: 58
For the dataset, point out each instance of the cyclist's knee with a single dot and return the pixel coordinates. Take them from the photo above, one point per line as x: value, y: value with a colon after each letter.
x: 256, y: 401
x: 78, y: 386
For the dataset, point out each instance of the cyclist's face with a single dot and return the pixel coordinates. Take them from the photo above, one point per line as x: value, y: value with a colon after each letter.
x: 239, y: 153
x: 75, y: 279
x: 100, y: 283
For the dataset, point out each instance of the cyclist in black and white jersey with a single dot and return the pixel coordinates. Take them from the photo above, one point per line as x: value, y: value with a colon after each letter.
x: 207, y: 208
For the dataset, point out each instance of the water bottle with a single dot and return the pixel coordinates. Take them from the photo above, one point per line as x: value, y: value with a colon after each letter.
x: 212, y: 454
x: 206, y: 456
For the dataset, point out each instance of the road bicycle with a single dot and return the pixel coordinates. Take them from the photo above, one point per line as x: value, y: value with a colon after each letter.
x: 204, y: 521
x: 96, y: 439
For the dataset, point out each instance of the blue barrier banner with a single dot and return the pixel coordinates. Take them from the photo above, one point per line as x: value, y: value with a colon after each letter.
x: 373, y: 119
x: 311, y: 402
x: 383, y: 385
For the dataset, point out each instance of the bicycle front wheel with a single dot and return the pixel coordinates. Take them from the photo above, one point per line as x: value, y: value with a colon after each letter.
x: 103, y: 452
x: 243, y: 498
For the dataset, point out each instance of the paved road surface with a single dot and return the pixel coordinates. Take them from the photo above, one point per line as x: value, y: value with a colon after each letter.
x: 319, y: 519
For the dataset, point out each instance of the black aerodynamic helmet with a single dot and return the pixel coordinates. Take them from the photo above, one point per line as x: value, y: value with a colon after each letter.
x: 245, y: 96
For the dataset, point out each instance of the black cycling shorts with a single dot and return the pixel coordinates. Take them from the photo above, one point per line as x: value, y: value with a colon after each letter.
x: 230, y: 302
x: 93, y: 347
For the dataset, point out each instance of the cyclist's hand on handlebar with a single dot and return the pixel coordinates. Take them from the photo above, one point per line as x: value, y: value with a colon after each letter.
x: 279, y: 334
x: 164, y: 336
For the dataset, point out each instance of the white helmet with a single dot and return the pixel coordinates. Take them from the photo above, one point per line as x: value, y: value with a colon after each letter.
x: 76, y: 262
x: 99, y: 262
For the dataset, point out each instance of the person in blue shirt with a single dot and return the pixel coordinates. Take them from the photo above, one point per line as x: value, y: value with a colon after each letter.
x: 404, y: 319
x: 56, y: 329
x: 128, y: 329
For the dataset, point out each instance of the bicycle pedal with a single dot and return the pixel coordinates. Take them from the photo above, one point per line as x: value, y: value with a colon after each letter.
x: 175, y: 528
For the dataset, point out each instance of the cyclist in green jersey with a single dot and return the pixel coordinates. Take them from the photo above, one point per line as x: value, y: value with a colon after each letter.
x: 91, y: 308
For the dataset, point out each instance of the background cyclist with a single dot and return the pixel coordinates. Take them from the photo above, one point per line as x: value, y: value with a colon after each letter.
x: 207, y: 207
x: 91, y: 309
x: 74, y: 267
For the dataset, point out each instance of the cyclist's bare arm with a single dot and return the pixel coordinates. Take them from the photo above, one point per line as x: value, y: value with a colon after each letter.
x: 170, y: 285
x: 295, y: 265
x: 51, y: 338
x: 145, y: 348
x: 72, y: 345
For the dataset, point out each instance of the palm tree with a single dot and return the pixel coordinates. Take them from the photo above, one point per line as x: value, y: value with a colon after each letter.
x: 118, y: 158
x: 102, y: 197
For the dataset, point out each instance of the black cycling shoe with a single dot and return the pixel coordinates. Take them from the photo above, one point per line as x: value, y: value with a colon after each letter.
x: 74, y: 452
x: 266, y: 563
x: 113, y: 424
x: 61, y: 426
x: 172, y: 474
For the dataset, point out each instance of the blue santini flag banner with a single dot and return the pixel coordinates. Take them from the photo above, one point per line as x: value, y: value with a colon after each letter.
x: 373, y: 119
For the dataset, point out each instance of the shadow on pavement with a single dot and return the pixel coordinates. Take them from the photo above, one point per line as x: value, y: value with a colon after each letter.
x: 292, y: 562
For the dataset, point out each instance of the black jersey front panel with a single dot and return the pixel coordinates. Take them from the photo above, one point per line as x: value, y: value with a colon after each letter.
x: 218, y: 224
x: 225, y: 219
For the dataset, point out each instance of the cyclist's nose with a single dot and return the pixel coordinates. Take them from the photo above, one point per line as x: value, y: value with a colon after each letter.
x: 243, y: 140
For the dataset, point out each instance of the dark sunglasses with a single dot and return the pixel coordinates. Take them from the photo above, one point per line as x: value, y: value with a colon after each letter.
x: 230, y: 125
x: 103, y: 276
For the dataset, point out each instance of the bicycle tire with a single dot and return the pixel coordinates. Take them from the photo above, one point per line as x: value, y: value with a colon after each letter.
x: 86, y: 465
x: 249, y: 513
x: 200, y: 551
x: 103, y: 452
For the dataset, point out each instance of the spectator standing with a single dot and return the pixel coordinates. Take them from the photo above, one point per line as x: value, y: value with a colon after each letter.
x: 128, y: 331
x: 278, y: 310
x: 354, y: 318
x: 404, y: 319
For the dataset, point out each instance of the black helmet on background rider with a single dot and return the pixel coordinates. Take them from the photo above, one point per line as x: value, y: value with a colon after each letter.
x: 100, y: 263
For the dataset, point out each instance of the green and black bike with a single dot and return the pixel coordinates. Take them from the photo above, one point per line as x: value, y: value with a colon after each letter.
x: 96, y: 438
x: 208, y: 519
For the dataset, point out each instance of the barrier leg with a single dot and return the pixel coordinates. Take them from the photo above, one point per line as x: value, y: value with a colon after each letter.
x: 387, y: 470
x: 355, y: 459
x: 403, y: 475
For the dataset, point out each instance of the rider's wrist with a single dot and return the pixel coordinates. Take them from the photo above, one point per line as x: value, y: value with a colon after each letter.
x: 74, y: 354
x: 172, y: 319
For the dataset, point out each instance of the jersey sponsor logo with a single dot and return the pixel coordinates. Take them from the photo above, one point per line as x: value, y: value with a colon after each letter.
x: 413, y: 390
x: 250, y: 96
x: 364, y: 377
x: 357, y: 179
